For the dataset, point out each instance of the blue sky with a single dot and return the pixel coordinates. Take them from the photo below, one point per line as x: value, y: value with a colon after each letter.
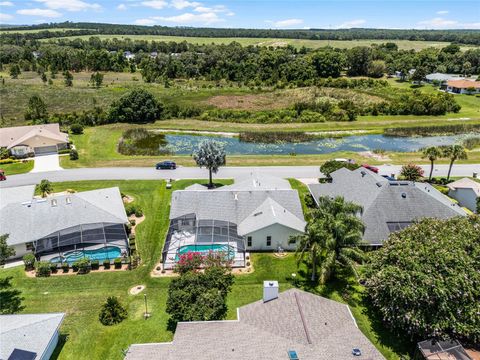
x: 282, y: 14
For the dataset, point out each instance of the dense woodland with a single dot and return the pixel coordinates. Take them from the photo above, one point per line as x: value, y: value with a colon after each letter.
x: 458, y: 36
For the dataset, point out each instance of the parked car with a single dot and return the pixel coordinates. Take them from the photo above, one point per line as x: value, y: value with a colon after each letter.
x: 167, y: 164
x: 371, y: 168
x: 342, y: 160
x: 2, y: 175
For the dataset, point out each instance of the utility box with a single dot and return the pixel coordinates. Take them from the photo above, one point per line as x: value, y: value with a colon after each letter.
x: 270, y: 290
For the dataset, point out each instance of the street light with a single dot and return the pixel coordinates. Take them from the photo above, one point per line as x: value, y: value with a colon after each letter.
x: 146, y: 315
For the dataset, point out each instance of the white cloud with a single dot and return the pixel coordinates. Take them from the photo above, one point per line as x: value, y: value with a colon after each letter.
x: 155, y: 4
x: 438, y: 22
x: 442, y: 12
x: 5, y: 17
x: 6, y: 3
x: 286, y: 22
x: 144, y: 22
x: 69, y: 5
x: 215, y: 9
x: 48, y: 13
x: 188, y: 18
x: 122, y: 7
x: 471, y: 25
x: 182, y: 4
x: 351, y: 24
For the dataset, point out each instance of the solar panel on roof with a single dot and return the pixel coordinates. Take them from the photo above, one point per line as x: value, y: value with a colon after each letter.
x: 292, y: 355
x: 18, y: 354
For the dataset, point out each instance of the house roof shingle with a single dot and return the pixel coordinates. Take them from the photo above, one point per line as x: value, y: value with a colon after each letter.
x: 465, y: 183
x: 13, y: 136
x: 464, y: 84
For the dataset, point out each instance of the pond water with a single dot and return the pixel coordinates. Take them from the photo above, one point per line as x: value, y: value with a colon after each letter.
x: 186, y: 144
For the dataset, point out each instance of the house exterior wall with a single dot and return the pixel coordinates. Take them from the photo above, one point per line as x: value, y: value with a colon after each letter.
x: 20, y: 250
x: 465, y: 197
x: 51, y: 347
x: 21, y: 150
x: 455, y: 90
x: 280, y: 236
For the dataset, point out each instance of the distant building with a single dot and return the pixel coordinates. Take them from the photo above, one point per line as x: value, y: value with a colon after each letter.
x: 441, y: 78
x: 291, y: 325
x: 466, y: 191
x: 388, y: 206
x: 128, y: 55
x: 36, y: 54
x: 33, y: 140
x: 463, y: 87
x: 29, y: 336
x: 153, y: 54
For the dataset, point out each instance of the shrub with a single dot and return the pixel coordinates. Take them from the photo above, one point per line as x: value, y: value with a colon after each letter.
x: 138, y: 212
x: 132, y: 209
x: 95, y: 264
x: 42, y: 269
x: 83, y: 266
x: 65, y: 267
x: 248, y: 263
x: 29, y: 261
x: 75, y: 267
x: 133, y: 222
x: 137, y: 106
x: 106, y: 264
x: 425, y: 282
x: 53, y: 268
x: 332, y: 165
x: 112, y: 312
x: 76, y: 129
x: 64, y: 151
x: 411, y: 172
x: 73, y: 154
x: 117, y: 263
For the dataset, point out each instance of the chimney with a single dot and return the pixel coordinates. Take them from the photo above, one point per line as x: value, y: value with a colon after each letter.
x: 270, y: 290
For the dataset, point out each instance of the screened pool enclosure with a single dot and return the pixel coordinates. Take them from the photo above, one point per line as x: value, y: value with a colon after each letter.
x: 187, y: 234
x: 97, y: 241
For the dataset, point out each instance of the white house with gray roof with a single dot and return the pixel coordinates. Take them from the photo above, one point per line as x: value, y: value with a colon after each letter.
x: 466, y: 191
x: 250, y: 215
x: 63, y: 222
x: 291, y: 325
x: 29, y: 336
x: 388, y: 206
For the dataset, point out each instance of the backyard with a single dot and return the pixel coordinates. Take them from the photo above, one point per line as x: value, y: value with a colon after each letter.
x: 82, y: 295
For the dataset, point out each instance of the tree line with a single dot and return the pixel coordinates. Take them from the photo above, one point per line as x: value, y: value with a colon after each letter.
x: 458, y: 36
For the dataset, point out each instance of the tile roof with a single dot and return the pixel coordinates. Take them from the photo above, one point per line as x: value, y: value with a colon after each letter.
x: 385, y: 201
x: 33, y: 220
x: 13, y: 136
x: 464, y: 84
x: 465, y: 183
x: 30, y: 332
x: 315, y: 327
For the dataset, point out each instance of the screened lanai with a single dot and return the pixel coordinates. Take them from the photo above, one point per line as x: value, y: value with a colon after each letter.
x: 187, y: 234
x: 96, y: 241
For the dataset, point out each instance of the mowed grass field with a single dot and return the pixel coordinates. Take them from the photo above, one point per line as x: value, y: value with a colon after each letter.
x: 81, y: 296
x: 276, y: 42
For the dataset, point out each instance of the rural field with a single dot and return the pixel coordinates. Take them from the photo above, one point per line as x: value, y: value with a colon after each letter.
x: 80, y: 296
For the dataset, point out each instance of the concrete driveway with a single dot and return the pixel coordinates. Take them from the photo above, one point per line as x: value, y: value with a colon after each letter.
x: 47, y: 162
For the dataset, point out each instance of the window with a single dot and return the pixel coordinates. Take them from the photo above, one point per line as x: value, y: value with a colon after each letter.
x: 269, y: 241
x: 249, y: 241
x: 29, y: 246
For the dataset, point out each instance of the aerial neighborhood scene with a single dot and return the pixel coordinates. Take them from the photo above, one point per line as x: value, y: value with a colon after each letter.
x: 234, y: 180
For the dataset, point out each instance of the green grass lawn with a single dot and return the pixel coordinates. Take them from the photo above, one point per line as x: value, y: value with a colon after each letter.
x: 81, y: 296
x: 17, y: 168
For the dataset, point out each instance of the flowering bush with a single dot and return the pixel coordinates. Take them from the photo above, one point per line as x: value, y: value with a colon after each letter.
x: 411, y: 172
x: 425, y: 281
x: 189, y: 261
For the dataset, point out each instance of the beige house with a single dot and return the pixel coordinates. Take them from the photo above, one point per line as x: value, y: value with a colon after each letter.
x: 24, y: 141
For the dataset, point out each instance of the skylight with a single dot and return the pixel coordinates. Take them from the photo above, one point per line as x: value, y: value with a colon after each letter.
x: 292, y: 355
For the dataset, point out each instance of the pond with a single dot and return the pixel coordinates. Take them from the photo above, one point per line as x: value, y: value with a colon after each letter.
x: 186, y: 144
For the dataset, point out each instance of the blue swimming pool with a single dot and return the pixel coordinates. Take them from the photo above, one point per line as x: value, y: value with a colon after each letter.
x: 105, y: 253
x: 205, y: 249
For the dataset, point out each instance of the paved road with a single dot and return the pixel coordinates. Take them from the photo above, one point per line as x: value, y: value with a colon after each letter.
x: 143, y: 173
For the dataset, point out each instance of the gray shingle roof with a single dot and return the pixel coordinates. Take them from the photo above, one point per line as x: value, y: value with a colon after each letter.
x: 384, y: 201
x: 16, y: 194
x: 237, y: 202
x: 32, y: 221
x: 267, y: 331
x: 31, y: 332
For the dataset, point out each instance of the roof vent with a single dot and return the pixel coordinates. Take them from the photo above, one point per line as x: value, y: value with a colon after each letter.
x: 270, y: 290
x: 404, y: 195
x: 258, y: 213
x: 54, y: 202
x: 379, y: 184
x: 68, y: 200
x: 236, y: 197
x: 363, y: 173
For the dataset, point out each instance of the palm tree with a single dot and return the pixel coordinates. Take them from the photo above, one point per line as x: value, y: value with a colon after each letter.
x: 454, y: 152
x: 432, y: 153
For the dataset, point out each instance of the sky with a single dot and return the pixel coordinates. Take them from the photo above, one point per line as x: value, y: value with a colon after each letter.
x: 281, y: 14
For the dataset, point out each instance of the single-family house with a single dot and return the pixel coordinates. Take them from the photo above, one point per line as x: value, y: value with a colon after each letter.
x: 23, y: 141
x: 250, y: 215
x: 388, y: 206
x: 153, y: 54
x: 29, y: 336
x: 56, y: 227
x: 36, y: 54
x: 128, y: 55
x: 442, y: 79
x: 466, y: 191
x: 291, y: 325
x: 463, y: 87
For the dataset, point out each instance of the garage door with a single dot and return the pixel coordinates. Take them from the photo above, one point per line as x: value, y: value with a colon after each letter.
x: 42, y: 150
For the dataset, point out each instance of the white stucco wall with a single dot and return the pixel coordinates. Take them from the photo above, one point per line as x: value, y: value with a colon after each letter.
x: 51, y: 347
x: 20, y: 250
x: 465, y: 197
x: 280, y: 236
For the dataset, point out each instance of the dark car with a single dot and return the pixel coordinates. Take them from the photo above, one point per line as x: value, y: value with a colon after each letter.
x: 371, y: 168
x: 166, y: 165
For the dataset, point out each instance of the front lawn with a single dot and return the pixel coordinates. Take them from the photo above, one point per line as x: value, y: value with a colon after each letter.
x: 17, y: 168
x: 81, y: 296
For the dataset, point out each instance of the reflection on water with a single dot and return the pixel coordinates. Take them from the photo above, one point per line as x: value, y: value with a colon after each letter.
x: 186, y: 144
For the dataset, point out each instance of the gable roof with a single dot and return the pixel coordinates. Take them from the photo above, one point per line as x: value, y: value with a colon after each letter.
x: 240, y: 202
x: 384, y: 202
x: 28, y: 332
x: 33, y: 220
x: 315, y: 327
x: 13, y: 136
x: 465, y: 183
